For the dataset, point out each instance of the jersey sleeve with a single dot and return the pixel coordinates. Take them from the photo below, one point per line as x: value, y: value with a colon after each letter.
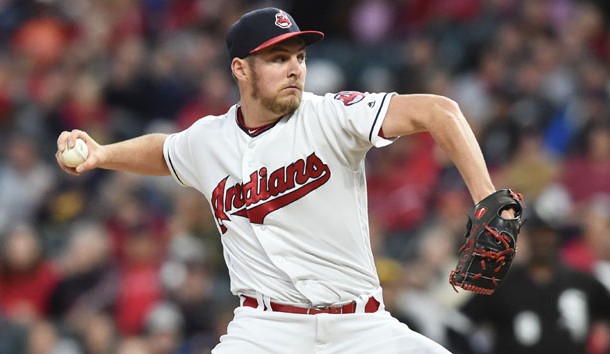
x: 178, y: 157
x: 362, y: 114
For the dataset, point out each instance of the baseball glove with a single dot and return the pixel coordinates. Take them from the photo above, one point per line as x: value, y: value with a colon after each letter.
x: 491, y: 243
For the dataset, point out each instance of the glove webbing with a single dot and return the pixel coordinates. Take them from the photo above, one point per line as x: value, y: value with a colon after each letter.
x: 499, y: 257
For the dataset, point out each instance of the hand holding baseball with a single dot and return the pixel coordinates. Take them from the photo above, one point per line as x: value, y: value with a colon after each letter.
x: 76, y: 155
x: 74, y: 150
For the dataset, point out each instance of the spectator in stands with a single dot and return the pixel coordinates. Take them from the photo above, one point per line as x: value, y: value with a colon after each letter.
x: 164, y: 329
x: 27, y: 278
x: 588, y: 173
x: 25, y: 180
x: 212, y: 98
x: 84, y: 107
x: 426, y: 299
x: 140, y: 286
x: 400, y: 185
x: 531, y: 168
x: 133, y: 345
x: 98, y: 335
x: 90, y: 280
x: 44, y: 338
x: 589, y: 249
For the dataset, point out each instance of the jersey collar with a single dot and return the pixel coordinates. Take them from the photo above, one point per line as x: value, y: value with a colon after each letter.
x: 252, y: 132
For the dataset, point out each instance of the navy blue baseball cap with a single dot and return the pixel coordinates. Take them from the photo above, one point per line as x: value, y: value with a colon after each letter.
x: 260, y: 29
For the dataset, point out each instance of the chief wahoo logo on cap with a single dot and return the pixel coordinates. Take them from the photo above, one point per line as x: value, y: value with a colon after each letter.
x: 282, y: 20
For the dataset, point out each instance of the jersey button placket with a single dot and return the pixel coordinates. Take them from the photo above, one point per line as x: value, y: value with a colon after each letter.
x: 248, y: 162
x: 249, y: 167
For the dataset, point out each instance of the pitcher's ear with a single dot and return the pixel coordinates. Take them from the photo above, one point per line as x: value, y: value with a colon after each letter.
x: 238, y: 68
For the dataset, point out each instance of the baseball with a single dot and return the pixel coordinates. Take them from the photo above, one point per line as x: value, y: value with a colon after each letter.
x: 76, y: 155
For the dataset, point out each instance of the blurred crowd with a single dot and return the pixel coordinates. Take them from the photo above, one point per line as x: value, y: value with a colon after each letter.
x: 114, y: 263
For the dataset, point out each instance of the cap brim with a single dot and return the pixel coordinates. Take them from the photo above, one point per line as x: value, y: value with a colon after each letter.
x: 310, y: 37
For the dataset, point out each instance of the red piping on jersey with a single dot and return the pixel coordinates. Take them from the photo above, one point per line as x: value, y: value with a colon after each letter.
x: 252, y: 131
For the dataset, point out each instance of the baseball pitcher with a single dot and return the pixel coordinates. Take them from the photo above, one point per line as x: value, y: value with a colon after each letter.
x: 283, y: 171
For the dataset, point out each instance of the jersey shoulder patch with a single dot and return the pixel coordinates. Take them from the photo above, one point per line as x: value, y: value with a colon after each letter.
x: 349, y: 98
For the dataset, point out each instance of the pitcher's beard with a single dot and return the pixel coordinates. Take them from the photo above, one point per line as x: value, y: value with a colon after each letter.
x: 279, y: 106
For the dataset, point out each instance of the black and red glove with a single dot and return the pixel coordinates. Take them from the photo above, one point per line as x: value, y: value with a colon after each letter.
x: 491, y: 243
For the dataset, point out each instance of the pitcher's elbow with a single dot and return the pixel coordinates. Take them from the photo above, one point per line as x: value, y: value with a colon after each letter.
x: 446, y: 109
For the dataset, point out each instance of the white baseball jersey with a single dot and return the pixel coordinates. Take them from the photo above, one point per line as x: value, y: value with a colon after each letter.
x: 290, y: 199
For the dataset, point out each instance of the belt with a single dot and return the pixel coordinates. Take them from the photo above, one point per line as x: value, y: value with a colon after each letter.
x: 372, y: 305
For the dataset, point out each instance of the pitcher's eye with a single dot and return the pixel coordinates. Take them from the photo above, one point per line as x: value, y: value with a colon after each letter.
x: 279, y: 59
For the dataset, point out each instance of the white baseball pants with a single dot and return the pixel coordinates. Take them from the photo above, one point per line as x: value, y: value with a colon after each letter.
x: 254, y: 331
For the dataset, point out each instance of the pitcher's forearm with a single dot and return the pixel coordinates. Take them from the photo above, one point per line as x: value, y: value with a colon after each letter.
x: 142, y: 155
x: 458, y: 141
